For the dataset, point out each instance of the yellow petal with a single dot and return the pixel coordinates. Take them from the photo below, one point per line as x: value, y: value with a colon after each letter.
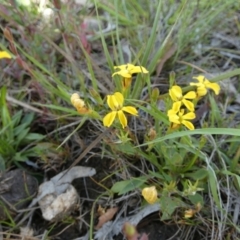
x: 137, y: 69
x: 173, y: 117
x: 188, y: 124
x: 150, y: 194
x: 189, y: 213
x: 189, y: 105
x: 4, y: 54
x: 171, y: 94
x: 176, y: 106
x: 111, y: 103
x: 171, y: 112
x: 122, y: 118
x: 127, y: 70
x: 119, y: 97
x: 115, y: 101
x: 175, y: 93
x: 190, y: 95
x: 78, y: 103
x: 189, y: 116
x: 131, y: 110
x: 214, y: 86
x: 109, y: 118
x: 123, y: 73
x: 201, y: 91
x: 74, y: 97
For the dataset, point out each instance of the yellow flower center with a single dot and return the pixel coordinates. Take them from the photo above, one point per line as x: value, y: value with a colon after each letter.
x: 180, y: 115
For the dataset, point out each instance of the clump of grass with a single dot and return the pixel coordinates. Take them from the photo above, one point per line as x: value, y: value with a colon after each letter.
x: 15, y: 134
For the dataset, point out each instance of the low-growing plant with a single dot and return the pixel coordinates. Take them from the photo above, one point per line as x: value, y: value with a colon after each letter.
x: 15, y: 135
x: 179, y: 172
x: 181, y: 163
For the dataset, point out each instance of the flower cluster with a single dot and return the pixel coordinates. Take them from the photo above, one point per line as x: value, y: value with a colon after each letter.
x: 182, y: 111
x: 116, y: 100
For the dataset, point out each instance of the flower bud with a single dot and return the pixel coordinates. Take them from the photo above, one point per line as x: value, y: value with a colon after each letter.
x: 150, y: 194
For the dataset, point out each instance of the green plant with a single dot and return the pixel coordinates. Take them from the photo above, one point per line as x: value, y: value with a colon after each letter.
x: 15, y: 135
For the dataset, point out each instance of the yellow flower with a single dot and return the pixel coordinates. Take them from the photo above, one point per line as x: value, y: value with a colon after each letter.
x: 150, y: 194
x: 203, y: 84
x: 4, y: 54
x: 127, y: 70
x: 176, y: 95
x: 115, y: 102
x: 189, y: 213
x: 178, y: 118
x: 79, y: 104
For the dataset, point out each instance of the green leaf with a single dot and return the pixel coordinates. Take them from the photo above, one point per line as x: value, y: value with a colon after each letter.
x: 163, y: 176
x: 19, y: 129
x: 123, y: 187
x: 5, y: 115
x: 236, y: 179
x: 60, y: 108
x: 197, y: 198
x: 168, y: 206
x: 27, y: 119
x: 17, y: 118
x: 20, y: 137
x: 204, y: 131
x: 6, y: 148
x: 152, y: 158
x: 126, y: 148
x: 34, y: 137
x: 156, y: 174
x: 198, y: 175
x: 20, y: 158
x: 156, y: 113
x: 213, y: 187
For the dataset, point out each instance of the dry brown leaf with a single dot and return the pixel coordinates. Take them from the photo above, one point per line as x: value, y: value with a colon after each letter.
x: 107, y: 216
